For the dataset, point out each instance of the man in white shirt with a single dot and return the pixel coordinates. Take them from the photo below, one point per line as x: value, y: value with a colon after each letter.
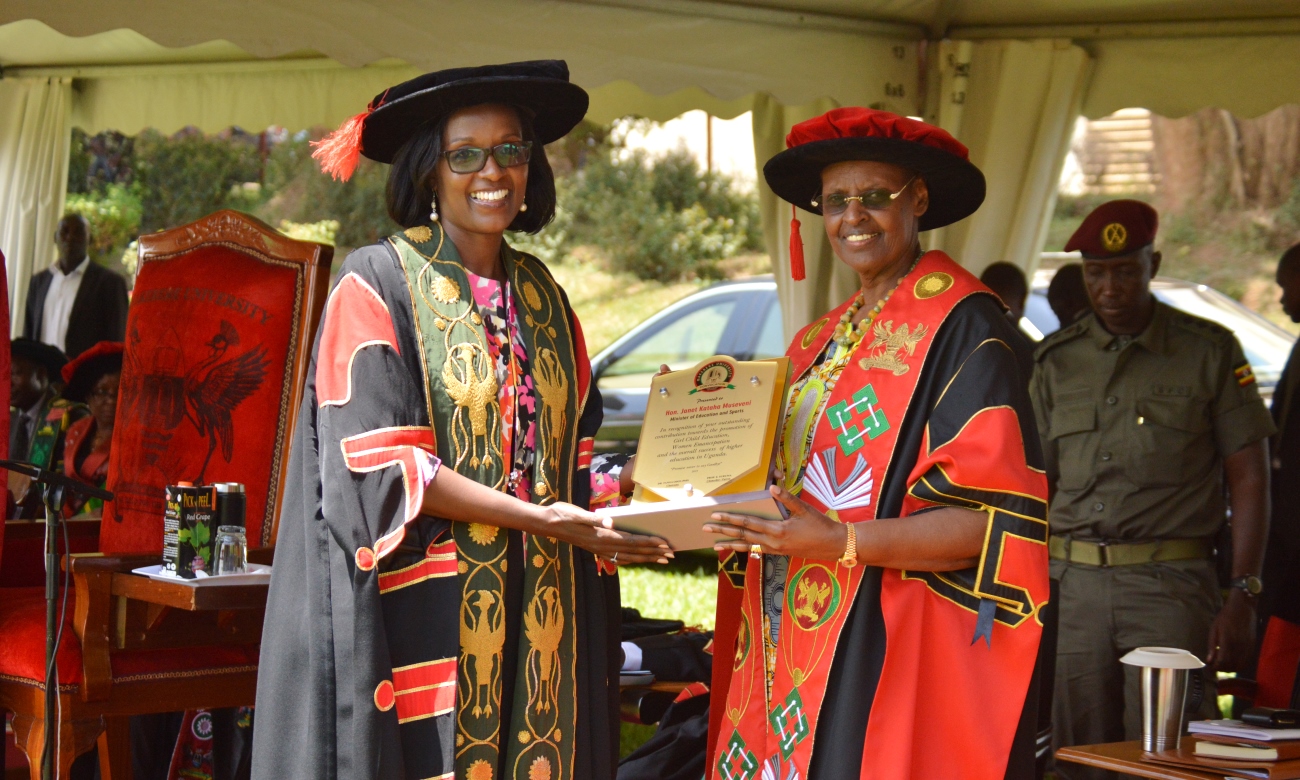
x: 76, y: 302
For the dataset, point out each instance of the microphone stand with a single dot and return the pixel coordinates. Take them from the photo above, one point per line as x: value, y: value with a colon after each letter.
x: 53, y: 485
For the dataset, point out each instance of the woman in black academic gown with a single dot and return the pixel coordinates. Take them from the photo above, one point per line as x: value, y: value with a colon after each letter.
x: 443, y: 601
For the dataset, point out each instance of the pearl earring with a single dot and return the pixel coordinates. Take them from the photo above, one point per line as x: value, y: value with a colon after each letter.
x: 433, y: 210
x: 523, y: 206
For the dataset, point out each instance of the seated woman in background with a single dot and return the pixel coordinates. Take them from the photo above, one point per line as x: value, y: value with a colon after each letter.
x: 92, y: 379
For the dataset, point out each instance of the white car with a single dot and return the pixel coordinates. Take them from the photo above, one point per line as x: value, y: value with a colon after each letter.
x: 743, y: 319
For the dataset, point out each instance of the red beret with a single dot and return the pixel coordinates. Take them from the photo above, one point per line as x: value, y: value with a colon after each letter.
x: 856, y: 122
x: 1115, y: 228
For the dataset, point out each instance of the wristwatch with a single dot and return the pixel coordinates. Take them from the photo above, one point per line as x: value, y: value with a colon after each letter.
x: 1252, y: 585
x: 850, y: 557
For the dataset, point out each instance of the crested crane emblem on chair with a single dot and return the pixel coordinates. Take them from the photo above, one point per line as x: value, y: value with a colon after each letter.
x: 890, y: 347
x: 217, y: 385
x: 206, y: 394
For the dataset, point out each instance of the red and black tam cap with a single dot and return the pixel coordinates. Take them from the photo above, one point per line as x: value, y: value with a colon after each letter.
x: 845, y: 134
x: 540, y: 87
x: 85, y: 370
x: 1115, y: 228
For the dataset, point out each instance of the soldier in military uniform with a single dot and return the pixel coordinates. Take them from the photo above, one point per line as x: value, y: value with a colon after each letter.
x: 1146, y: 415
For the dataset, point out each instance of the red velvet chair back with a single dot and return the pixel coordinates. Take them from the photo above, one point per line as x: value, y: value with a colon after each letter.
x: 218, y: 338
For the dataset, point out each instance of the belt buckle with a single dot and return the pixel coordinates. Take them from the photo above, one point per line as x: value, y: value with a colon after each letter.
x: 1103, y: 554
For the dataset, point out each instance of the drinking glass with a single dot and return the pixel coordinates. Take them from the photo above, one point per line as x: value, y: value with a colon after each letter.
x: 232, y: 550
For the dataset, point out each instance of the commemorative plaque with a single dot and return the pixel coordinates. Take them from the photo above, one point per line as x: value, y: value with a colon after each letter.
x: 707, y: 444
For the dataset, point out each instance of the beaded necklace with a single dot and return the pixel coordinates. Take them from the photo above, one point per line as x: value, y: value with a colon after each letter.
x: 809, y: 397
x: 807, y: 403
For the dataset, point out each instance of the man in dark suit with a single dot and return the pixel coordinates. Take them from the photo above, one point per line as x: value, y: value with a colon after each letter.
x: 1068, y: 296
x: 1008, y: 282
x: 1281, y: 598
x: 34, y: 368
x: 77, y: 303
x: 38, y: 417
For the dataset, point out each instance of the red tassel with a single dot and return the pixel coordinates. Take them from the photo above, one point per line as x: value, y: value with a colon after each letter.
x: 339, y: 151
x: 796, y: 247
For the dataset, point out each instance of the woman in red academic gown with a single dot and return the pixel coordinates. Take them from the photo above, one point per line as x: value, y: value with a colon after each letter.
x: 888, y: 628
x: 92, y: 379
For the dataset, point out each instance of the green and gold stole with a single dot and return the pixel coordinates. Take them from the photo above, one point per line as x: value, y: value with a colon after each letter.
x: 460, y: 375
x: 52, y: 424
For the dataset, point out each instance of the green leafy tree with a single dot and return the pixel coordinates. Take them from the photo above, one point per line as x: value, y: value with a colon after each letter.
x: 78, y: 162
x: 302, y: 194
x: 659, y: 218
x: 114, y: 217
x: 662, y: 219
x: 190, y: 175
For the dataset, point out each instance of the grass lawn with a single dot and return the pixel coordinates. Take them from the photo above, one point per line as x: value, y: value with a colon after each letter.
x: 609, y: 304
x: 684, y: 590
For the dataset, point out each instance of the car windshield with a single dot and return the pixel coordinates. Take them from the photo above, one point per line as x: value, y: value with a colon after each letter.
x: 681, y: 343
x: 1266, y: 345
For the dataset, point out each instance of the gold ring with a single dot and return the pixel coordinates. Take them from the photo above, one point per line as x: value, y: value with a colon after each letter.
x: 755, y: 550
x: 614, y: 559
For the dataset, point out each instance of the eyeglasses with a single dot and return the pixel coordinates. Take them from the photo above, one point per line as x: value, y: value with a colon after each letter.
x: 877, y: 199
x: 471, y: 159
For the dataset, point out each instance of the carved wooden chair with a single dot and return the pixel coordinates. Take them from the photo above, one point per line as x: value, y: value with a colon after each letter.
x: 219, y: 338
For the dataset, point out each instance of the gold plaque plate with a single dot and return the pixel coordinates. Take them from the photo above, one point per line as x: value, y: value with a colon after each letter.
x: 711, y: 430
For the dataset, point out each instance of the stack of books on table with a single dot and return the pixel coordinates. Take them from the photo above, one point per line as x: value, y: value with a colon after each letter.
x: 1236, y: 750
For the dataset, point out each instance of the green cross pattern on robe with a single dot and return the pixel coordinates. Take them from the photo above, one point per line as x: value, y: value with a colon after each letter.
x: 790, y: 723
x: 873, y: 422
x: 737, y: 762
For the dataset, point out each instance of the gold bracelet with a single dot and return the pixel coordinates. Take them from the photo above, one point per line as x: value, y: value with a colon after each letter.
x: 850, y: 557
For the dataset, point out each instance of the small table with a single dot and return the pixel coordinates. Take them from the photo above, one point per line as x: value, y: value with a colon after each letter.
x: 1126, y: 757
x: 135, y: 612
x: 189, y: 597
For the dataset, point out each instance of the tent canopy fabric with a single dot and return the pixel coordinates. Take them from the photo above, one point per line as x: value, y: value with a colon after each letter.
x: 1026, y: 66
x: 353, y: 56
x: 1171, y: 56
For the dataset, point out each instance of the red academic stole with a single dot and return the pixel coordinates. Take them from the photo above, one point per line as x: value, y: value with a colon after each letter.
x: 852, y: 449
